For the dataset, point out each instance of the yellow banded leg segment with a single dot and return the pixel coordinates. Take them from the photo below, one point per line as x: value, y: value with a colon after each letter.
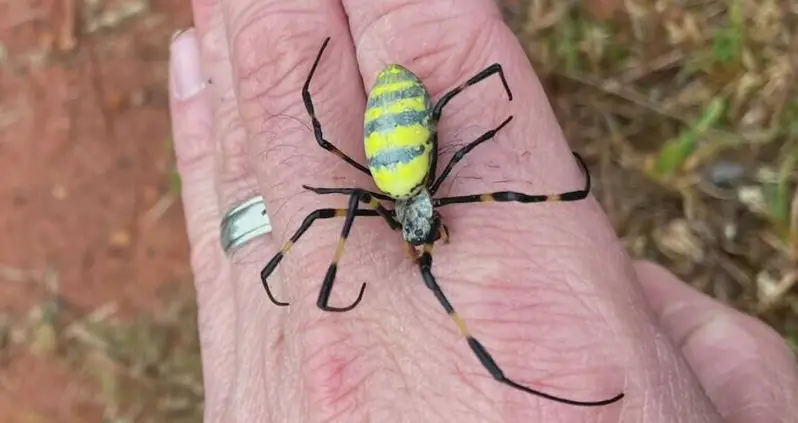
x: 339, y: 250
x: 509, y: 196
x: 460, y: 324
x: 329, y: 278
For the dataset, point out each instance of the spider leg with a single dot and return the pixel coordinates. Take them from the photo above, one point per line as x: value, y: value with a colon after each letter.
x: 347, y: 191
x: 443, y: 234
x: 306, y: 224
x: 368, y: 197
x: 506, y: 196
x: 462, y: 153
x: 425, y: 265
x: 329, y: 278
x: 374, y: 203
x: 483, y: 74
x: 323, y: 143
x: 437, y: 110
x: 411, y: 252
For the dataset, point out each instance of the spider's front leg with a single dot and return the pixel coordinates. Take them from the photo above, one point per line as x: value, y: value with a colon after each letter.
x: 443, y: 234
x: 412, y: 253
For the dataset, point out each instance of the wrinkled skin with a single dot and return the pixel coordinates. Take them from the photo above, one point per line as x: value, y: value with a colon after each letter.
x: 546, y: 287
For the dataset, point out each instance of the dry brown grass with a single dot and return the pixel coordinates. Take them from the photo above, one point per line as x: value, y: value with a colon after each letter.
x: 687, y: 112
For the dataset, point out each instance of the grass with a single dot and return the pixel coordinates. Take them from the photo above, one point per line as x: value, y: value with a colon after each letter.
x: 687, y: 114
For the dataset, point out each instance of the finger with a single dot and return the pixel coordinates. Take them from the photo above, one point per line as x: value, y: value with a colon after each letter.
x: 581, y: 275
x: 281, y: 148
x: 236, y: 181
x: 745, y: 367
x: 194, y: 150
x: 273, y: 45
x: 194, y: 147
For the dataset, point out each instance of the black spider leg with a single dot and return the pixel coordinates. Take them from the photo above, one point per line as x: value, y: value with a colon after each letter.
x: 506, y: 196
x: 376, y: 210
x: 462, y: 153
x: 329, y: 278
x: 323, y: 143
x: 425, y: 265
x: 437, y: 111
x: 347, y: 191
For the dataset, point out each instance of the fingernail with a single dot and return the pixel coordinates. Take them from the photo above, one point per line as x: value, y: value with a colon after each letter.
x: 185, y: 66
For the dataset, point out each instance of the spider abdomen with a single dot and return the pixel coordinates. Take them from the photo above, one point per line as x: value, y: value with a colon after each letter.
x: 398, y: 132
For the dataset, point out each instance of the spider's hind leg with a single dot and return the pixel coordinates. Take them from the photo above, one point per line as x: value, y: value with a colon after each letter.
x: 479, y: 350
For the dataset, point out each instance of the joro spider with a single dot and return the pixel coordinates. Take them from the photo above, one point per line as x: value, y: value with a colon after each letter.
x: 401, y: 146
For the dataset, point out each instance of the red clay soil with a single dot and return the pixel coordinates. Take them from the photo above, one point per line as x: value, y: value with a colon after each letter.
x: 85, y: 170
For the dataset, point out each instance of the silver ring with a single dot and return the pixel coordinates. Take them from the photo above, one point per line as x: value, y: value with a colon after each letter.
x: 243, y: 223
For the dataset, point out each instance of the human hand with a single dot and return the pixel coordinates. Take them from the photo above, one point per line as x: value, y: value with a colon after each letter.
x: 546, y: 287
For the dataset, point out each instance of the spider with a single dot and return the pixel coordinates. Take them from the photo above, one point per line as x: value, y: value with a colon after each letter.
x: 401, y: 145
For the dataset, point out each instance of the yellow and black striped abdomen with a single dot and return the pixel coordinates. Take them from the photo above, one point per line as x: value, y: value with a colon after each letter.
x: 398, y: 132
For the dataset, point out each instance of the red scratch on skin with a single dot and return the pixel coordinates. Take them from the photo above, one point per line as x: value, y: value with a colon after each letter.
x: 331, y: 382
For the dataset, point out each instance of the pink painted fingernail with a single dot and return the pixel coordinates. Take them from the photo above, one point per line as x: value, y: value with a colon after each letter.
x: 186, y: 72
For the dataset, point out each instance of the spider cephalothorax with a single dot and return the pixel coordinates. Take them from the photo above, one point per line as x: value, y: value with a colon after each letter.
x: 417, y: 217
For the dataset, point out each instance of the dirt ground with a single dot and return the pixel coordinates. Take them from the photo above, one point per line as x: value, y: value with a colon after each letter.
x: 689, y: 138
x: 88, y: 207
